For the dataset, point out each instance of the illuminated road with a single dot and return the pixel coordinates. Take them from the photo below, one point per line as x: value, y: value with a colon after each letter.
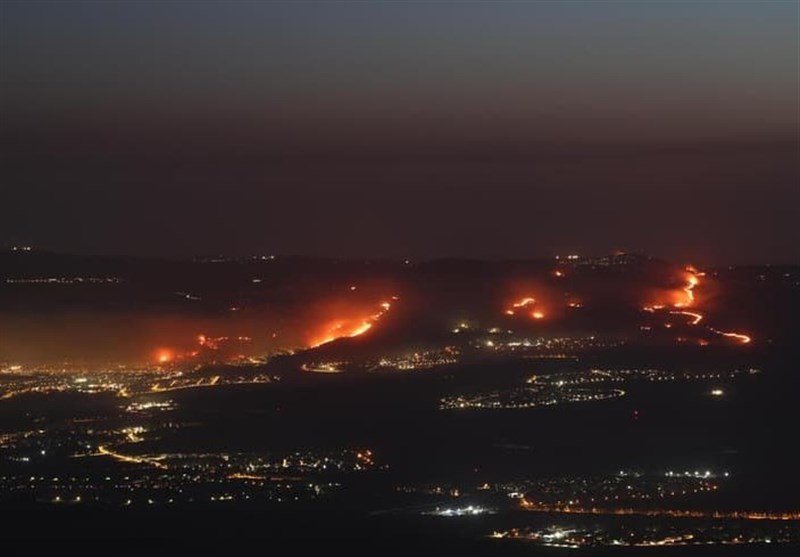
x: 672, y: 513
x: 320, y: 369
x: 131, y: 459
x: 202, y: 383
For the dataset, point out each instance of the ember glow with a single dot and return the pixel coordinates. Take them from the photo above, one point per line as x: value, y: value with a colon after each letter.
x: 692, y: 280
x: 348, y: 327
x: 744, y: 339
x: 688, y: 290
x: 683, y: 297
x: 686, y: 298
x: 526, y: 303
x: 164, y: 356
x: 695, y: 317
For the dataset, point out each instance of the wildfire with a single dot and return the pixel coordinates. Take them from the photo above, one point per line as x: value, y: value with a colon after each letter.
x: 696, y: 317
x: 688, y: 290
x: 685, y: 298
x: 350, y: 327
x: 744, y: 339
x: 525, y: 304
x: 164, y: 356
x: 682, y: 298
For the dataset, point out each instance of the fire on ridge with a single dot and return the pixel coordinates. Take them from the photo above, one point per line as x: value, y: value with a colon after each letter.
x: 352, y: 324
x: 678, y: 302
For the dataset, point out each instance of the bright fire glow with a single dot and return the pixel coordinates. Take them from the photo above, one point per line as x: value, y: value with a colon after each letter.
x: 688, y: 290
x: 164, y: 356
x: 685, y: 298
x: 696, y: 317
x: 349, y: 327
x: 744, y: 339
x: 525, y: 303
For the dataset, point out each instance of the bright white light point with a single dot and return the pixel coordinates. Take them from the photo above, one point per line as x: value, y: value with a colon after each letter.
x: 717, y: 392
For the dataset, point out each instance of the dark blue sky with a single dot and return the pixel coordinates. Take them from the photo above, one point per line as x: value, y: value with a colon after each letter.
x: 402, y: 128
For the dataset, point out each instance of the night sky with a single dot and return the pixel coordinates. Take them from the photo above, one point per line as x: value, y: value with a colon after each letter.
x: 402, y: 129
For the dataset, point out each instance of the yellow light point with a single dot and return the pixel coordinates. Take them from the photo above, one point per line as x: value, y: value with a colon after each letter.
x: 537, y: 315
x: 558, y: 273
x: 509, y: 312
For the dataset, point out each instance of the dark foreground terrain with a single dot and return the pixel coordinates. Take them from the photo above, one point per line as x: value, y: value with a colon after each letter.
x: 613, y: 406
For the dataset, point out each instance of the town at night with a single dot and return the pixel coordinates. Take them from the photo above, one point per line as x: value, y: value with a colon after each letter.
x: 650, y: 405
x: 389, y: 277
